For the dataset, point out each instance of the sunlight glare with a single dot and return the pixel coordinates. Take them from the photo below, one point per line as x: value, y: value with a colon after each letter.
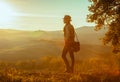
x: 6, y: 13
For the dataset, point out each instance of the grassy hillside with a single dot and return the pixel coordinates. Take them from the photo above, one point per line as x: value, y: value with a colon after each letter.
x: 21, y: 45
x: 35, y: 56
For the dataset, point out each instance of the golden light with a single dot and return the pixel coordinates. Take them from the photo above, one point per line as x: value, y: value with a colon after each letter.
x: 6, y: 13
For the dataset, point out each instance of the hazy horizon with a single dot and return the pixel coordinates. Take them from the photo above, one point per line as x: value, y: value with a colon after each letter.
x: 42, y: 14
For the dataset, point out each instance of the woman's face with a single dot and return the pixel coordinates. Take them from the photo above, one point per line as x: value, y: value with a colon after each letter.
x: 66, y: 20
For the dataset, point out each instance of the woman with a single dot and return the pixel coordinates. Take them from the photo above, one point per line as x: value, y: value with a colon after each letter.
x: 69, y: 35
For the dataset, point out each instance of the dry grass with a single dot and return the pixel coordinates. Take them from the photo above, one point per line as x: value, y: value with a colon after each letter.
x: 50, y: 69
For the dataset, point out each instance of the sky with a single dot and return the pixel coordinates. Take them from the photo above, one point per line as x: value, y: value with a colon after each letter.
x: 42, y: 14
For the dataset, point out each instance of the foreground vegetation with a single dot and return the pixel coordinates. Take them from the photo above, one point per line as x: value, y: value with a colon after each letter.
x: 51, y: 69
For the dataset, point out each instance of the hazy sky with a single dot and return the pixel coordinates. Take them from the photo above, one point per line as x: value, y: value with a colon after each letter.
x: 42, y: 14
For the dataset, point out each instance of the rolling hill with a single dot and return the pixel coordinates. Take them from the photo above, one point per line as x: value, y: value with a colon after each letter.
x: 22, y: 45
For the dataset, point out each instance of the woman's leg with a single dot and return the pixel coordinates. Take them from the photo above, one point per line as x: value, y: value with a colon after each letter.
x: 72, y: 60
x: 64, y: 53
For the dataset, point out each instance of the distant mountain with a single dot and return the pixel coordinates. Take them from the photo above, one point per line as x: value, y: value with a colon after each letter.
x: 22, y: 45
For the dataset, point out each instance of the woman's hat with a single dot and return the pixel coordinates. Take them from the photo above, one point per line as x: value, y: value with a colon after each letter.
x: 67, y: 17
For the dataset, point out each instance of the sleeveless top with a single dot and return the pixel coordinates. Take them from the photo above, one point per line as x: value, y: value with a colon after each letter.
x: 69, y: 33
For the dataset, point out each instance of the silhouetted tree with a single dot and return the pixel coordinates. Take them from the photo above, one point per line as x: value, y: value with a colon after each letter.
x: 106, y: 14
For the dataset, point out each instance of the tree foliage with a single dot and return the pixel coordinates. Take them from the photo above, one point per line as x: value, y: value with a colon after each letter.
x: 106, y: 13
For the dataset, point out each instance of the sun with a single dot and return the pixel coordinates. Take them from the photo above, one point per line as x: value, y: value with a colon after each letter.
x: 6, y: 13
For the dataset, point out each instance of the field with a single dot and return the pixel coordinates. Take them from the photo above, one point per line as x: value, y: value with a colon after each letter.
x: 35, y: 56
x: 51, y: 69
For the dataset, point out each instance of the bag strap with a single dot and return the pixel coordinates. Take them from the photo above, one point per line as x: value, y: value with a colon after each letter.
x: 76, y: 36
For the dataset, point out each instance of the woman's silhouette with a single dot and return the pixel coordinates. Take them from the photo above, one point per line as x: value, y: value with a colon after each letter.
x: 69, y: 35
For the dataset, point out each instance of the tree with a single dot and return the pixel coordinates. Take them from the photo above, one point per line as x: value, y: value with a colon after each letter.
x: 106, y: 14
